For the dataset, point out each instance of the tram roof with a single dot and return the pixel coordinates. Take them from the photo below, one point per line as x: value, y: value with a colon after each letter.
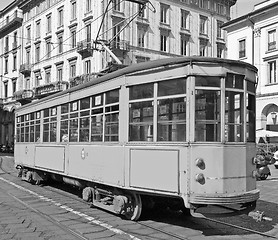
x: 147, y: 66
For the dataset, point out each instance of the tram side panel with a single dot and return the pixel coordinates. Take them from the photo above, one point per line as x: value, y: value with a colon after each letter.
x: 24, y: 154
x: 50, y: 157
x: 154, y: 169
x: 103, y: 164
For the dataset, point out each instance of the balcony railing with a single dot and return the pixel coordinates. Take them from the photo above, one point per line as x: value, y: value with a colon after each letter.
x: 85, y: 48
x: 24, y: 96
x: 50, y: 88
x: 120, y: 45
x: 15, y: 18
x: 75, y: 81
x: 25, y: 69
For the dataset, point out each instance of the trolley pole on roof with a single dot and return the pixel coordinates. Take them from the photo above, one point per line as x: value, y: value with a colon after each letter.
x: 110, y: 52
x: 142, y: 6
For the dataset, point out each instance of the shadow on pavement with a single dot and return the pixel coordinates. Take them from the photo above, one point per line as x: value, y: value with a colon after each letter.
x: 210, y: 228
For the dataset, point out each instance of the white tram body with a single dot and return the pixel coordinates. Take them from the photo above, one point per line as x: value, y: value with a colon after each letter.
x: 181, y: 129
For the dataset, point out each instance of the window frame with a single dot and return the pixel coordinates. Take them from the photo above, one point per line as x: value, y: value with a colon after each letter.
x: 242, y: 48
x: 271, y: 39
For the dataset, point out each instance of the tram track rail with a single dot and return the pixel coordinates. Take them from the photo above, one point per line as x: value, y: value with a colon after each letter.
x: 74, y: 197
x: 64, y: 228
x: 61, y: 192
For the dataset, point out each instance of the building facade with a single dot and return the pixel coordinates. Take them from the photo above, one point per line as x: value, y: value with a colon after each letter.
x: 253, y: 38
x: 64, y: 43
x: 10, y: 41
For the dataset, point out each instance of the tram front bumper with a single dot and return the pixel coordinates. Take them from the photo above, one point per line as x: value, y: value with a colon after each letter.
x: 224, y: 199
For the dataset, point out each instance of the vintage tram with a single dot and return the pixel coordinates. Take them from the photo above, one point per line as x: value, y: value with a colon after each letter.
x: 178, y: 129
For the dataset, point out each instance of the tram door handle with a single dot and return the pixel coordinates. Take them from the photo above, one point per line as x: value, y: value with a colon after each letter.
x: 26, y: 150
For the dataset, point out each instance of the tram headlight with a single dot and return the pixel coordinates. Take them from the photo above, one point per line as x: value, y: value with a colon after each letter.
x: 200, y: 178
x: 200, y: 163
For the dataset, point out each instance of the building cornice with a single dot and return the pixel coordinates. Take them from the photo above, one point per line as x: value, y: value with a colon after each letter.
x: 251, y: 15
x: 9, y: 7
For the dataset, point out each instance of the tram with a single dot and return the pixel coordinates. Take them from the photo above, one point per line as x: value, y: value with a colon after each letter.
x: 176, y: 130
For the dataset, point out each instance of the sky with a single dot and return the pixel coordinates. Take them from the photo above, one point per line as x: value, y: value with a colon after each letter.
x: 242, y: 6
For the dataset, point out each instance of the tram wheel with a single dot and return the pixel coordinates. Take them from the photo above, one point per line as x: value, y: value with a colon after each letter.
x: 134, y: 207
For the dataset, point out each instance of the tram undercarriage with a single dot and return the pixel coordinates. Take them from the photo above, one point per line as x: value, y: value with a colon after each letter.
x: 130, y: 203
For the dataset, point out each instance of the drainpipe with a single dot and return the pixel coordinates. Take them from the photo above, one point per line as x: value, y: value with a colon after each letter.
x: 253, y: 39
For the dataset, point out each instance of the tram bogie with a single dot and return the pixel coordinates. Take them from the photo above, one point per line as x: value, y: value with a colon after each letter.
x: 178, y: 131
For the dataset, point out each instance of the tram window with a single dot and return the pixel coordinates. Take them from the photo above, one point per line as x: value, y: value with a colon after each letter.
x: 85, y: 103
x: 251, y: 109
x: 97, y: 100
x: 84, y: 129
x: 111, y: 124
x: 17, y: 129
x: 37, y: 127
x: 73, y: 106
x: 172, y: 87
x: 205, y: 81
x: 141, y: 121
x: 27, y: 134
x: 171, y: 125
x: 112, y: 97
x: 251, y: 87
x: 73, y: 130
x: 111, y: 127
x: 37, y: 132
x: 97, y: 118
x: 65, y: 108
x: 32, y: 133
x: 18, y: 133
x: 84, y: 113
x: 45, y: 133
x: 64, y: 131
x: 53, y: 131
x: 50, y: 125
x: 234, y: 116
x: 46, y: 113
x: 234, y: 81
x: 96, y: 128
x: 207, y: 115
x: 141, y: 91
x: 22, y: 133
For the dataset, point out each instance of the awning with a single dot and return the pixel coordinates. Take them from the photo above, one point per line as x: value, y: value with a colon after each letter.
x: 265, y: 133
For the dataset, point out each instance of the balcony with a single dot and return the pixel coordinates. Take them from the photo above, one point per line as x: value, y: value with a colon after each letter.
x: 85, y: 48
x: 122, y: 45
x: 49, y: 89
x: 11, y: 21
x: 24, y: 96
x: 81, y: 79
x: 25, y: 69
